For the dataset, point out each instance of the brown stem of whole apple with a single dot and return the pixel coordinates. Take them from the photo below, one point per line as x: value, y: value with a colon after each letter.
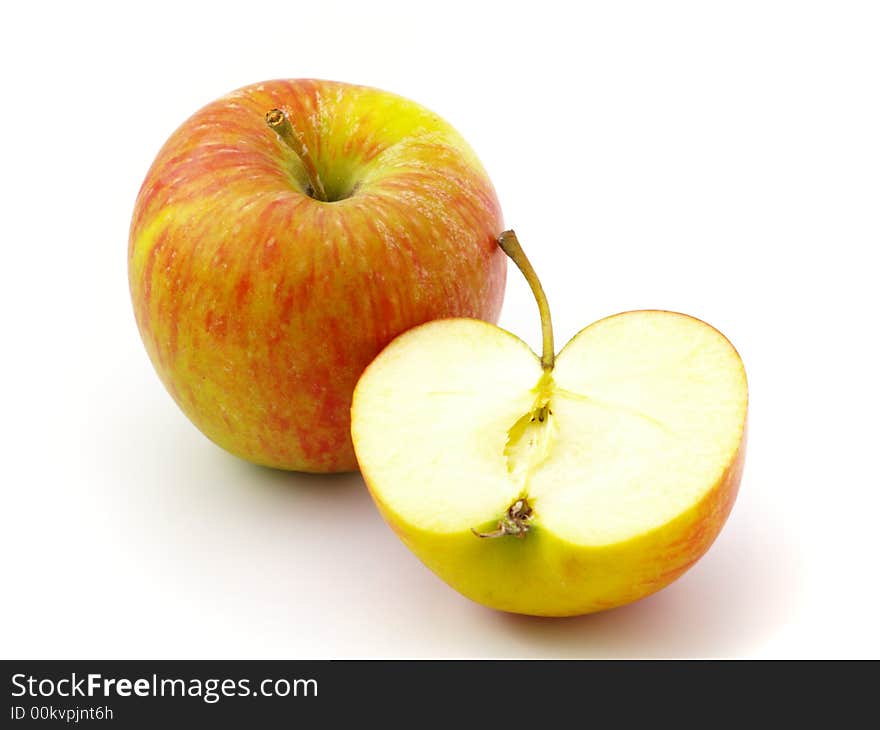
x: 279, y: 122
x: 511, y: 246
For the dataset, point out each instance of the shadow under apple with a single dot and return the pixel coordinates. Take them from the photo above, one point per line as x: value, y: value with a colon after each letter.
x: 245, y: 544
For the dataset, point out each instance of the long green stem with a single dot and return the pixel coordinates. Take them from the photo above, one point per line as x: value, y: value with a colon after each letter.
x: 510, y: 245
x: 280, y: 123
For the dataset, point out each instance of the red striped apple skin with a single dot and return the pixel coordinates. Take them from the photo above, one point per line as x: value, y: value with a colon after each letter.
x: 260, y: 306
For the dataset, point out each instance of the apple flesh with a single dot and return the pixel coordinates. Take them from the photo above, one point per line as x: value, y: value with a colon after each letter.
x: 604, y: 477
x: 260, y: 305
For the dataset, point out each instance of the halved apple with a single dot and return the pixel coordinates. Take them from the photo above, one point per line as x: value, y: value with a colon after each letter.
x: 561, y: 485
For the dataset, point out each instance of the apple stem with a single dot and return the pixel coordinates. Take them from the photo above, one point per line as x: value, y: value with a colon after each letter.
x: 279, y: 122
x: 511, y: 246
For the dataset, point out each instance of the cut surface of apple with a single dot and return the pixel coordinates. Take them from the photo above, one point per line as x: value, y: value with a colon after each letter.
x: 622, y: 461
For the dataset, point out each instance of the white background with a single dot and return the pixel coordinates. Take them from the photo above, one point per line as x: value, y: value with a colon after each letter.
x: 721, y: 159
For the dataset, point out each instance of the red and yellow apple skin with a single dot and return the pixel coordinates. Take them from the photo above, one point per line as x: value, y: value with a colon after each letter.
x: 260, y: 306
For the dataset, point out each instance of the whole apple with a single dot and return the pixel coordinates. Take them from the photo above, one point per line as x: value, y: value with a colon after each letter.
x: 283, y: 236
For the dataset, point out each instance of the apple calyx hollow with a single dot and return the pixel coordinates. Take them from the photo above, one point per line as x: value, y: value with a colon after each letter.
x: 515, y: 522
